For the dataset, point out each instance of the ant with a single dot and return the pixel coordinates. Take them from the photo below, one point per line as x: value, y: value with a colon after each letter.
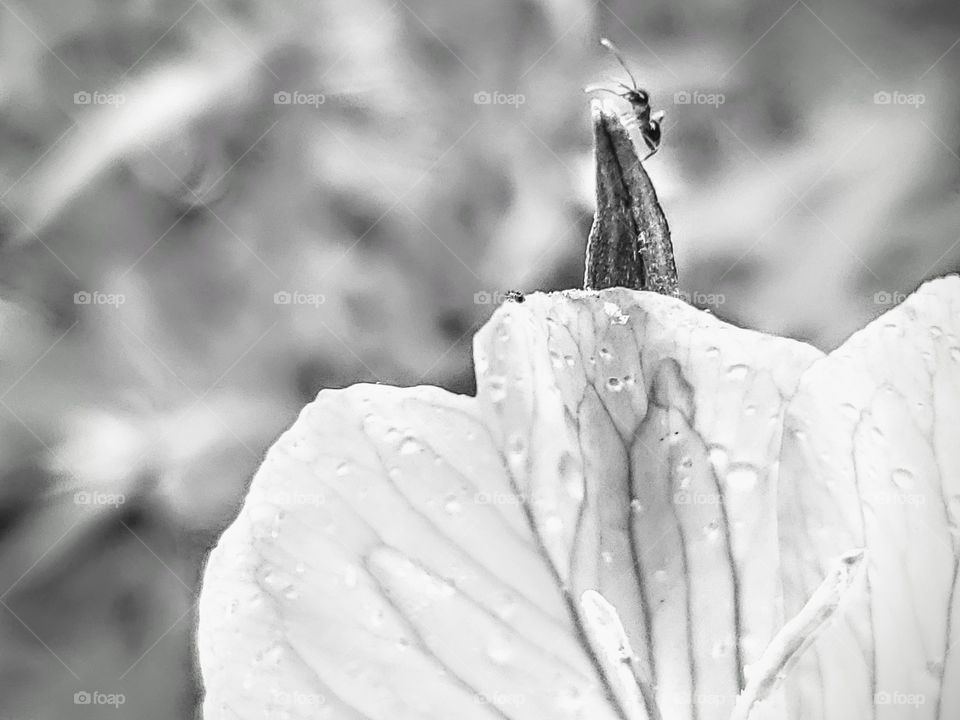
x: 639, y: 100
x: 515, y: 295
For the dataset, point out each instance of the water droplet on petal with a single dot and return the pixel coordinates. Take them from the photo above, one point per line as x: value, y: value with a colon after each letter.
x: 605, y: 354
x: 902, y: 478
x: 607, y: 557
x: 497, y: 386
x: 737, y: 372
x: 712, y: 352
x: 410, y: 446
x: 452, y: 506
x: 614, y: 384
x: 350, y: 577
x: 742, y: 478
x: 499, y: 650
x: 936, y: 331
x: 636, y: 506
x: 718, y: 457
x: 343, y: 469
x: 955, y: 354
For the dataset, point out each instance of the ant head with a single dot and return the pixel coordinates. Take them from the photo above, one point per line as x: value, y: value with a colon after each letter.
x: 637, y: 97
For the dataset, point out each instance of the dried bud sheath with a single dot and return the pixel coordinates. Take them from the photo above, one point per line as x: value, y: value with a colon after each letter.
x: 629, y: 244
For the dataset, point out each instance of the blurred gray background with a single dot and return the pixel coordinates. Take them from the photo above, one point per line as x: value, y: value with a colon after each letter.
x: 212, y: 209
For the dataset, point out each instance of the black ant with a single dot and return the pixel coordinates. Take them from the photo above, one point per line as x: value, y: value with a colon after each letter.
x: 515, y: 295
x: 639, y: 100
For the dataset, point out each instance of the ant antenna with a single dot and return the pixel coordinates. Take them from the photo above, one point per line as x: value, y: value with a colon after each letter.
x: 599, y: 88
x: 616, y: 53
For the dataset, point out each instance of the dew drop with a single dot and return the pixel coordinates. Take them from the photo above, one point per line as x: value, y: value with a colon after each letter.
x: 410, y: 446
x: 605, y: 354
x: 750, y: 410
x: 452, y: 506
x: 392, y: 435
x: 291, y: 593
x: 350, y: 577
x: 720, y: 648
x: 737, y: 372
x: 343, y: 469
x: 718, y: 457
x: 607, y: 557
x: 712, y: 352
x: 299, y: 568
x: 569, y: 360
x: 556, y: 359
x: 497, y: 386
x: 742, y: 478
x: 850, y: 410
x: 660, y: 575
x: 499, y: 650
x: 636, y: 506
x: 507, y: 609
x: 711, y: 531
x: 614, y: 384
x: 955, y: 354
x: 552, y: 524
x: 936, y: 331
x: 902, y: 478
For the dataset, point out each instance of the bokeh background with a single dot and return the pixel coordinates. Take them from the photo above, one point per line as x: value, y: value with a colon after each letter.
x: 390, y: 168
